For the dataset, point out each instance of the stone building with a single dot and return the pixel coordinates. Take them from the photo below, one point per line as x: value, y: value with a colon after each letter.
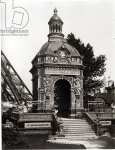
x: 57, y: 73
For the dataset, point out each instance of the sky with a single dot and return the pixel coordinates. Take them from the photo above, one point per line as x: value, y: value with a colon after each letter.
x: 93, y: 21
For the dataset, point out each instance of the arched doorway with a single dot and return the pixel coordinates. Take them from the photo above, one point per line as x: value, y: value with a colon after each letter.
x: 62, y: 97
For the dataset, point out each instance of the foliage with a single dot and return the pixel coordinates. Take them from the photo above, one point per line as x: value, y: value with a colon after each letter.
x: 94, y: 67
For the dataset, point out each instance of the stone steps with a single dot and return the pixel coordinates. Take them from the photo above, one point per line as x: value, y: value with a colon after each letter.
x: 76, y: 129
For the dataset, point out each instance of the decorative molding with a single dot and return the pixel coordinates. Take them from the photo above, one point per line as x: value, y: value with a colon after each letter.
x: 62, y: 71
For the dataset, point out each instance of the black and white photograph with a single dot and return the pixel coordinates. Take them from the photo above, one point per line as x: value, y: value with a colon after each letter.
x: 57, y: 74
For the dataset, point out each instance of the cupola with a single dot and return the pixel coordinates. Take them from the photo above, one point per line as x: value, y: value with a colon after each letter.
x: 55, y: 26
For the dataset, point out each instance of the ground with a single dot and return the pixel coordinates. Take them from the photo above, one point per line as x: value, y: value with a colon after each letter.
x: 39, y: 142
x: 13, y: 141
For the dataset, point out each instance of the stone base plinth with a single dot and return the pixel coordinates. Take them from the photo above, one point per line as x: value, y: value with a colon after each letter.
x: 41, y: 123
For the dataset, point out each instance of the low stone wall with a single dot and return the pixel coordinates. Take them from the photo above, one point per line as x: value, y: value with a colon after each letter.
x: 105, y: 122
x: 42, y: 123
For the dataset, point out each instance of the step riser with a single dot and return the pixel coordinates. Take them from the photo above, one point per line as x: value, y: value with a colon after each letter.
x: 77, y: 127
x: 75, y: 121
x: 73, y: 130
x: 77, y: 138
x: 76, y: 130
x: 91, y: 133
x: 71, y: 125
x: 75, y: 124
x: 79, y: 135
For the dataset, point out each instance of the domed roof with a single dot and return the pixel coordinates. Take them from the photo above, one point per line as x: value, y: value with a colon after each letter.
x: 55, y: 17
x: 50, y: 48
x: 56, y: 41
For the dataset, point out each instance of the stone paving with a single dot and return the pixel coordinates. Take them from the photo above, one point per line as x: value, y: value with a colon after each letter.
x: 99, y: 143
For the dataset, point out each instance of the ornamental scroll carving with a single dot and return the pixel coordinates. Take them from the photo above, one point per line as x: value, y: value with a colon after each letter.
x: 77, y: 87
x: 47, y: 85
x: 77, y: 83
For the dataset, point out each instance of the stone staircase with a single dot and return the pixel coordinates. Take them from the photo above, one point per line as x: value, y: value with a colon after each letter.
x: 75, y: 129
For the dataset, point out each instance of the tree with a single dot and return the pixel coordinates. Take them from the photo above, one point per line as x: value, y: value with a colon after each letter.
x: 94, y: 67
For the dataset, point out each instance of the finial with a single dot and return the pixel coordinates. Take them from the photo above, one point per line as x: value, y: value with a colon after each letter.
x: 55, y: 11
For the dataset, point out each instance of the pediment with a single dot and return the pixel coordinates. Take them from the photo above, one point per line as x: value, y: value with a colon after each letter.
x: 62, y: 52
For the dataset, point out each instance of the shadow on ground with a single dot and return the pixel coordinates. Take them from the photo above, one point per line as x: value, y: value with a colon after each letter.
x: 12, y: 140
x: 107, y: 142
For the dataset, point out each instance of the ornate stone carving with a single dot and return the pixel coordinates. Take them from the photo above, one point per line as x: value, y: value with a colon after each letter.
x: 55, y: 59
x: 46, y: 81
x: 62, y: 54
x: 77, y: 83
x: 77, y: 92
